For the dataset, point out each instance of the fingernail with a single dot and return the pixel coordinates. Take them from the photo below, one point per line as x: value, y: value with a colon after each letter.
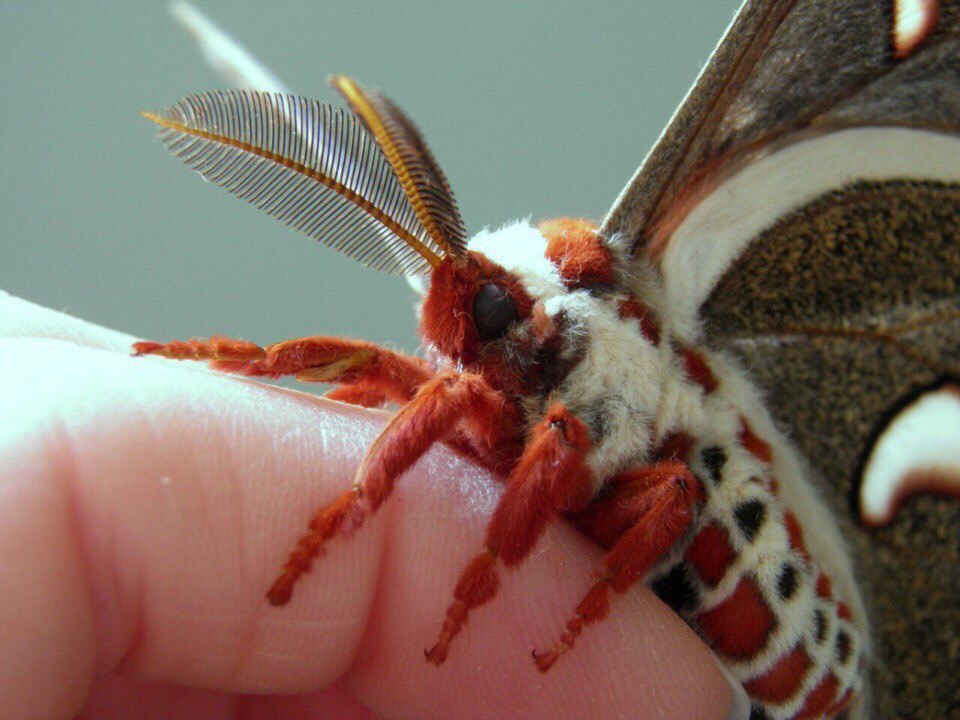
x: 740, y: 703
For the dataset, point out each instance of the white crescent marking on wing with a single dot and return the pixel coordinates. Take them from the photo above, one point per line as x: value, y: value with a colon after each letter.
x: 913, y: 21
x: 720, y: 227
x: 918, y: 451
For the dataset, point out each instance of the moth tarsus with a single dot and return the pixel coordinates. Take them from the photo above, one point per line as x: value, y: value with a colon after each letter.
x: 594, y: 370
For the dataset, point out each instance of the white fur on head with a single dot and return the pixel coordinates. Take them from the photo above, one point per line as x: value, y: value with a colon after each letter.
x: 521, y: 248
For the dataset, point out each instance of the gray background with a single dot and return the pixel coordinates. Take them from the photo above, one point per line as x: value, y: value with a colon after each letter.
x: 534, y: 109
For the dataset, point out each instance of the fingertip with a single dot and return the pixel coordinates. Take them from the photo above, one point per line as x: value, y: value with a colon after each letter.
x: 241, y: 458
x: 740, y: 706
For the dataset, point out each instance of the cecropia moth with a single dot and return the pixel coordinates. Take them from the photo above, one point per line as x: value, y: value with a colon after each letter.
x: 768, y: 312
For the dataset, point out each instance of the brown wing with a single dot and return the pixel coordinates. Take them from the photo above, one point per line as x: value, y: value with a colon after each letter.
x: 843, y: 307
x: 804, y: 199
x: 803, y: 207
x: 844, y: 312
x: 787, y: 68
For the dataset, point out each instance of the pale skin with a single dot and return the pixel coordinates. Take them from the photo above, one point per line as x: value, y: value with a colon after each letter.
x: 146, y: 505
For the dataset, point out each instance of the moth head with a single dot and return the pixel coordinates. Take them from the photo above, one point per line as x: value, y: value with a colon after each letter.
x: 476, y: 312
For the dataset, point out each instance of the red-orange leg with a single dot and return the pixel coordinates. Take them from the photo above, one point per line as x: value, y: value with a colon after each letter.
x: 443, y: 407
x: 549, y: 477
x: 663, y: 507
x: 358, y: 393
x: 216, y: 348
x: 376, y: 373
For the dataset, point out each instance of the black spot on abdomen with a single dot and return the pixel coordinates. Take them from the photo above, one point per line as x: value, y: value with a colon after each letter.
x: 677, y: 590
x: 714, y: 458
x: 749, y: 516
x: 820, y: 626
x: 844, y: 646
x: 787, y: 581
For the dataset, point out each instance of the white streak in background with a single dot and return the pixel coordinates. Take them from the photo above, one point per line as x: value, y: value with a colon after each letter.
x: 223, y: 53
x: 232, y: 61
x: 913, y: 21
x: 918, y: 451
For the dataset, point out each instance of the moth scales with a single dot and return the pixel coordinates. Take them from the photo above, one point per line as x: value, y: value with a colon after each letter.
x: 591, y: 348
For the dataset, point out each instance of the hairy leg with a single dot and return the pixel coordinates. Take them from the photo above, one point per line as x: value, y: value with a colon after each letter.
x: 549, y: 477
x: 216, y: 348
x: 462, y: 405
x: 376, y: 373
x: 358, y: 393
x: 661, y: 499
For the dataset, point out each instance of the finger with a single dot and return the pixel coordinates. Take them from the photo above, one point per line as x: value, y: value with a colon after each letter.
x: 21, y: 319
x: 190, y: 487
x: 46, y: 613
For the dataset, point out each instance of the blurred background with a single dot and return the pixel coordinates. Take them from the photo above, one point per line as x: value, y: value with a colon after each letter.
x: 534, y: 109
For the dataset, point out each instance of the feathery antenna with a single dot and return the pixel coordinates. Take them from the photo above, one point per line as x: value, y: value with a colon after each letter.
x: 313, y: 167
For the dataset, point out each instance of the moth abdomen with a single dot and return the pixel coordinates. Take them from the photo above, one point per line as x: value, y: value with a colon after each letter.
x: 763, y: 603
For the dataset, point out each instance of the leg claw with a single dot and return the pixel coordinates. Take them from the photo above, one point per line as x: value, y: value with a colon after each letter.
x: 546, y: 660
x: 436, y: 655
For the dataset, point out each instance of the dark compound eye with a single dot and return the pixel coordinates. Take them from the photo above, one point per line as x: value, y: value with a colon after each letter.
x: 493, y: 311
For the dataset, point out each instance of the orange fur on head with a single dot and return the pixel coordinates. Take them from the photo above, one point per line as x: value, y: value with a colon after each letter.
x: 574, y: 246
x: 446, y: 320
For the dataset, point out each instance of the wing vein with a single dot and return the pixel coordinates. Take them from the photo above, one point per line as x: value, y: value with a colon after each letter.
x: 891, y: 336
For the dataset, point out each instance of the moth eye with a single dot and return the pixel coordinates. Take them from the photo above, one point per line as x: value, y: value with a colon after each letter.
x: 493, y: 311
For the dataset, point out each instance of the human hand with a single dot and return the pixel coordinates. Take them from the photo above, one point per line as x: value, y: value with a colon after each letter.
x: 145, y: 506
